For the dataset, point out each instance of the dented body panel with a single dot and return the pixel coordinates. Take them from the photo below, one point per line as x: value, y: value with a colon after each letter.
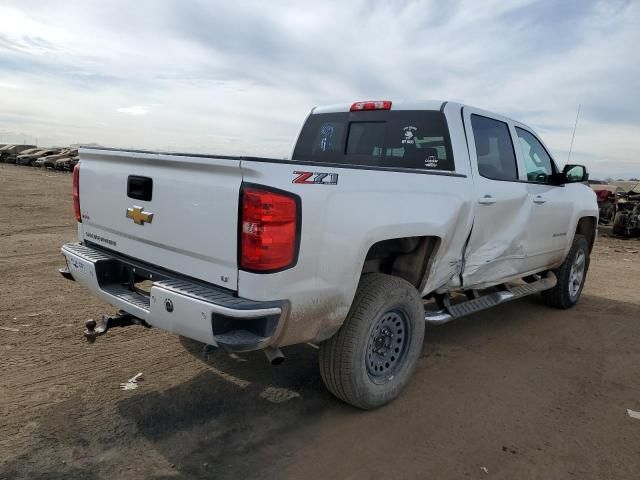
x: 482, y: 231
x: 339, y: 227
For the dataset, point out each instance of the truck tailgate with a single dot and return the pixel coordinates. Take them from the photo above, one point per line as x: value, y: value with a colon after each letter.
x: 193, y: 203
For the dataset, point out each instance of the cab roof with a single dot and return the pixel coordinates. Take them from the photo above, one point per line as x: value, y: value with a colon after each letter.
x: 412, y: 105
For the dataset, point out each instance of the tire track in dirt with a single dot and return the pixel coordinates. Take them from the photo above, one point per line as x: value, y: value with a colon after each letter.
x: 37, y: 230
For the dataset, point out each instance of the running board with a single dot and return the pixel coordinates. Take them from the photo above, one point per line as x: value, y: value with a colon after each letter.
x: 451, y: 312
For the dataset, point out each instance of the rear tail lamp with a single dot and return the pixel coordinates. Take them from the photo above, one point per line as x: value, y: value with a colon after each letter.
x: 76, y: 192
x: 269, y: 230
x: 371, y: 105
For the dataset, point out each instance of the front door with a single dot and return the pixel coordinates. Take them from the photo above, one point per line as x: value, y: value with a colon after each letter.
x: 497, y: 245
x: 550, y: 205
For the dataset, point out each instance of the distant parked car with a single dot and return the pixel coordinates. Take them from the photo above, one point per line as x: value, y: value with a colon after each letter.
x: 30, y: 158
x: 67, y: 163
x: 50, y: 160
x: 8, y: 153
x: 3, y: 149
x: 40, y: 162
x: 607, y: 196
x: 28, y: 151
x: 62, y: 163
x: 26, y: 154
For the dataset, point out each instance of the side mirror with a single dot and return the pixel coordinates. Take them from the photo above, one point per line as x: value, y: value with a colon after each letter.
x: 575, y: 173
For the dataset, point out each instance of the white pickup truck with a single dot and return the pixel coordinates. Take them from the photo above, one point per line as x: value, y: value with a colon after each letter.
x: 386, y: 217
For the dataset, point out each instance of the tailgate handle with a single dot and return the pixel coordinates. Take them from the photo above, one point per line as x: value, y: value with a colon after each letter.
x: 139, y: 188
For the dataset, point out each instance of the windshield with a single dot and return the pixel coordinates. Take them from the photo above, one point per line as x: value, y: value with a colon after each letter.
x: 398, y: 139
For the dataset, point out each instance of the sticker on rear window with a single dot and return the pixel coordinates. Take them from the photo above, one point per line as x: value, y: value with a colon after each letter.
x: 431, y: 161
x: 326, y: 136
x: 409, y: 135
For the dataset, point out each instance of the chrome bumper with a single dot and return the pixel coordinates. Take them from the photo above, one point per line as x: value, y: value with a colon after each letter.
x: 199, y: 311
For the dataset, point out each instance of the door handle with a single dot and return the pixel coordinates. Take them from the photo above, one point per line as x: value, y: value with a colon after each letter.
x: 539, y: 200
x: 487, y: 200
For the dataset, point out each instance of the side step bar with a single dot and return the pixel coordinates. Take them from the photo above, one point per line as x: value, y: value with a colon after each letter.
x: 451, y: 312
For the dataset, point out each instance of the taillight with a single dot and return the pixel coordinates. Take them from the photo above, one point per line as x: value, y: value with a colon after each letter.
x: 76, y: 192
x: 371, y: 105
x: 269, y: 230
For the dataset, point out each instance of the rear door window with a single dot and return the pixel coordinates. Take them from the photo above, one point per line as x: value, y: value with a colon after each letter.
x: 411, y: 139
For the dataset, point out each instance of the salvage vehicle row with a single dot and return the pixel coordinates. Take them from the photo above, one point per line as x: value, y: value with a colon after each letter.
x: 30, y: 155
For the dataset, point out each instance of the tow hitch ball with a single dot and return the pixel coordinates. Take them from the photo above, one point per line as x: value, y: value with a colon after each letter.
x: 122, y: 319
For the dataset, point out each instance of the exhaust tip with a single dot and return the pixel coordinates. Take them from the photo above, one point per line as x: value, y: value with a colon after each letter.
x: 277, y: 360
x: 274, y: 355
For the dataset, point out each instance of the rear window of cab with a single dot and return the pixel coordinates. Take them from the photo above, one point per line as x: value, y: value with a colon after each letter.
x: 411, y: 139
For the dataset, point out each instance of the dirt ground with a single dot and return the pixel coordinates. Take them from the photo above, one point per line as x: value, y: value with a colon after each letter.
x: 519, y: 392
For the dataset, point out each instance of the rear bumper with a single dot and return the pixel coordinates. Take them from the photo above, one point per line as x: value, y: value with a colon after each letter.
x: 195, y: 310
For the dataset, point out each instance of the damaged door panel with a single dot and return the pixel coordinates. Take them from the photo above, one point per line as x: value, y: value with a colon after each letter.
x: 497, y: 245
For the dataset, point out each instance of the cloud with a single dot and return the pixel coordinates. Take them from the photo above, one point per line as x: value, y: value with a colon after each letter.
x: 9, y: 85
x: 134, y: 110
x: 238, y: 78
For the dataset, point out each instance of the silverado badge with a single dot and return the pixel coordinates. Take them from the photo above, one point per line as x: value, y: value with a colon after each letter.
x: 138, y: 215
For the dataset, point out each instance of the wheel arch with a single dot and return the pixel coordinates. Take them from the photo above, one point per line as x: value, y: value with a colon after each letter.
x: 408, y: 257
x: 587, y: 226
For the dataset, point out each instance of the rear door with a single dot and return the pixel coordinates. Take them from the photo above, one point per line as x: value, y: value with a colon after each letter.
x: 497, y: 245
x: 177, y: 212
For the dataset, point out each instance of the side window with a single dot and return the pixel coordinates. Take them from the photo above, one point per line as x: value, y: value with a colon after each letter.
x: 536, y: 159
x: 496, y: 157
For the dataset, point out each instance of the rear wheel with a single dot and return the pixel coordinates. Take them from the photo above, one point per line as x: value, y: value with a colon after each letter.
x: 571, y: 276
x: 371, y: 358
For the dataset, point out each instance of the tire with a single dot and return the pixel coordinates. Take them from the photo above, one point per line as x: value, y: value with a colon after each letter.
x: 607, y: 213
x: 619, y: 223
x: 371, y: 358
x: 571, y: 276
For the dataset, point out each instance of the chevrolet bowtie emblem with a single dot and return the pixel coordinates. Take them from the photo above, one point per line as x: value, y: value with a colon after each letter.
x: 139, y: 216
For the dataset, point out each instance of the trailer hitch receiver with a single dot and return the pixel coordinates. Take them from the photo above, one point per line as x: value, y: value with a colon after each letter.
x: 122, y: 319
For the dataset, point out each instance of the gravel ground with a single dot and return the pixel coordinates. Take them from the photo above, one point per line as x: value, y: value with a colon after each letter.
x: 519, y: 392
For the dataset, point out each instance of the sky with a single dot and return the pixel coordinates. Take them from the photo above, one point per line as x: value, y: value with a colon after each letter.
x: 240, y: 77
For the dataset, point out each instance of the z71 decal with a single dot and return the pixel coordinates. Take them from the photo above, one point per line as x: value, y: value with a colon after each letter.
x: 316, y: 178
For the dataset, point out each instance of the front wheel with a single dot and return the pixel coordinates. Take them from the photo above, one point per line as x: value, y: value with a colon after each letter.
x: 571, y: 276
x: 371, y: 358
